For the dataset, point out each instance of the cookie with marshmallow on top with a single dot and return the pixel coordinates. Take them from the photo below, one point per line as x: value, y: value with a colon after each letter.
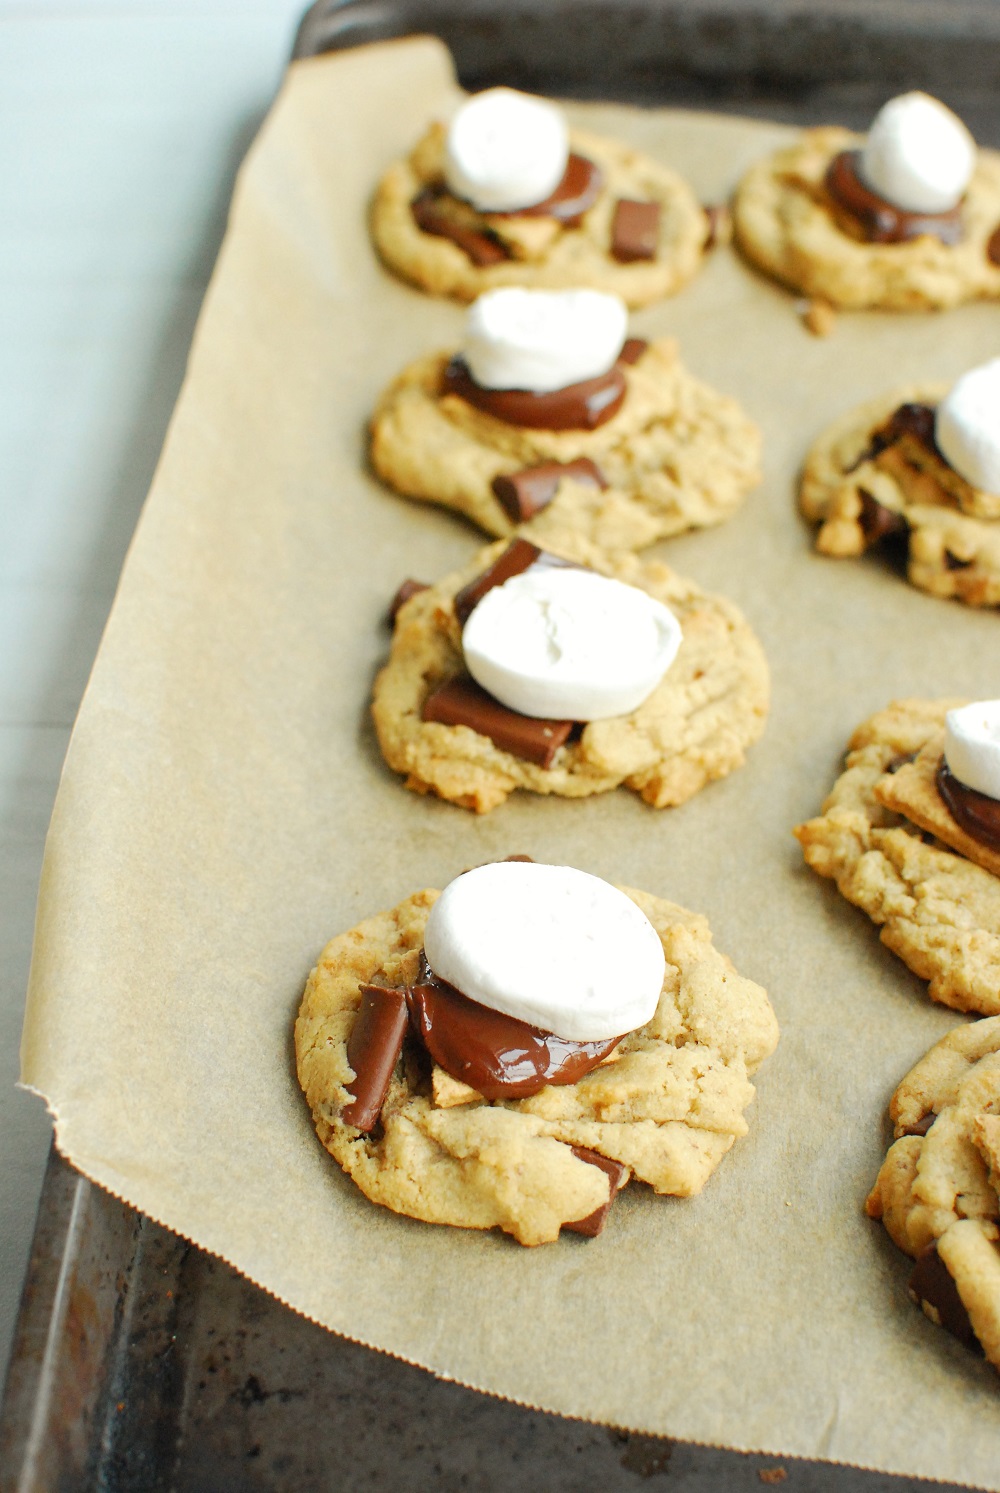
x: 562, y: 672
x: 905, y: 218
x: 549, y: 413
x: 506, y: 194
x: 910, y: 833
x: 918, y: 468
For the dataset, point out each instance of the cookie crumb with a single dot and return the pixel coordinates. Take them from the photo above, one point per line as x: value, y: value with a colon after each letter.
x: 772, y: 1474
x: 818, y: 316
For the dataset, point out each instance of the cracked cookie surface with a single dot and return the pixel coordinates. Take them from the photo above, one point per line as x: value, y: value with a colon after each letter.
x: 677, y: 455
x: 953, y: 528
x: 695, y: 726
x: 937, y: 910
x: 668, y: 1105
x: 545, y: 254
x: 939, y: 1188
x: 787, y: 224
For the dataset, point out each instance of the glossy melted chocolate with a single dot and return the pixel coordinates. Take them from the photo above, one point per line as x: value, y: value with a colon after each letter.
x: 581, y: 406
x: 498, y: 1056
x: 976, y: 813
x: 578, y: 190
x: 881, y: 222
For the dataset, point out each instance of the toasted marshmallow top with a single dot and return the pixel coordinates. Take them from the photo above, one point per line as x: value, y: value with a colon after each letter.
x: 972, y: 746
x: 967, y: 427
x: 505, y: 150
x: 550, y: 945
x: 542, y: 339
x: 569, y: 644
x: 918, y: 155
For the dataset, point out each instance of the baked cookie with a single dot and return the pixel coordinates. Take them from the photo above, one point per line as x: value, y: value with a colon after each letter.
x: 664, y: 1106
x: 877, y: 475
x: 788, y: 222
x: 618, y: 221
x: 938, y: 910
x: 709, y: 706
x: 937, y: 1190
x: 676, y: 455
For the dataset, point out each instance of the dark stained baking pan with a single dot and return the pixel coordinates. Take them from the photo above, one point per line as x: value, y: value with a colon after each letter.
x: 141, y: 1363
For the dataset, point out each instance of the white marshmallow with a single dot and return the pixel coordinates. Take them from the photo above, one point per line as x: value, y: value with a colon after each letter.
x: 967, y: 427
x: 918, y: 155
x: 505, y: 150
x: 553, y: 946
x: 542, y: 339
x: 569, y: 644
x: 972, y: 746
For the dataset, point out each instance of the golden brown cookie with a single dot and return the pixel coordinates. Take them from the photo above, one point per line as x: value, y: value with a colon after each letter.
x: 695, y: 726
x: 676, y: 456
x: 787, y: 224
x: 937, y: 1190
x: 544, y: 254
x: 861, y: 491
x: 937, y: 910
x: 667, y: 1105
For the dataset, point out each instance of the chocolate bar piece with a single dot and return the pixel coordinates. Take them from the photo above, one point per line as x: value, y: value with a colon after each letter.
x: 581, y: 406
x: 373, y: 1050
x: 460, y: 701
x: 615, y: 1173
x: 931, y: 1285
x: 634, y: 230
x: 523, y: 494
x: 431, y: 217
x: 519, y: 556
x: 632, y: 349
x: 408, y: 588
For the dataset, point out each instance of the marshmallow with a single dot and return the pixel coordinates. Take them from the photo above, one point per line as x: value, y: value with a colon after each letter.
x: 550, y: 945
x: 967, y: 427
x: 972, y: 746
x: 569, y: 644
x: 542, y: 339
x: 918, y: 155
x: 505, y: 151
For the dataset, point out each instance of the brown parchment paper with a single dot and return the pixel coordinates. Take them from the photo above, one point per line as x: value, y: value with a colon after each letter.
x: 224, y: 810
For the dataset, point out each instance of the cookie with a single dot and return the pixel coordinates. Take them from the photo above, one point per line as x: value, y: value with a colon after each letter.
x: 543, y: 252
x: 937, y: 910
x: 877, y: 475
x: 937, y: 1189
x: 787, y: 223
x: 695, y: 726
x: 675, y: 456
x: 666, y: 1106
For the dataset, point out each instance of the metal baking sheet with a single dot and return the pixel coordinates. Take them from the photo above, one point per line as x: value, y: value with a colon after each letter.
x: 141, y: 1362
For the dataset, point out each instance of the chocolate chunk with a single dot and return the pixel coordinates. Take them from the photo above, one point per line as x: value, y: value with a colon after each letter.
x: 921, y: 1127
x: 879, y: 522
x: 407, y: 589
x: 581, y: 406
x: 523, y: 494
x: 579, y: 189
x: 431, y: 216
x: 899, y: 761
x: 497, y: 1055
x: 717, y: 226
x: 879, y: 221
x: 952, y: 562
x: 460, y: 701
x: 632, y: 349
x: 976, y: 813
x: 993, y: 247
x: 519, y: 555
x: 373, y: 1050
x: 615, y: 1173
x: 635, y: 229
x: 931, y: 1286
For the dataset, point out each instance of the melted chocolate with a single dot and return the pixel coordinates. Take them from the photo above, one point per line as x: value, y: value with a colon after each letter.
x: 431, y: 216
x: 524, y: 493
x: 460, y: 701
x: 519, y: 556
x: 578, y: 190
x: 879, y: 522
x: 498, y: 1056
x: 932, y: 1283
x: 976, y: 813
x: 879, y: 221
x: 581, y: 406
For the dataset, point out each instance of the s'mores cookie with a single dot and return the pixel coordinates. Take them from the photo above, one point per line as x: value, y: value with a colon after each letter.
x: 505, y: 194
x: 511, y: 1052
x: 549, y: 412
x: 907, y: 218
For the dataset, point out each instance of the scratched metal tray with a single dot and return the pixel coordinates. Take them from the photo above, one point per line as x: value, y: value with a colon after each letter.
x: 141, y: 1363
